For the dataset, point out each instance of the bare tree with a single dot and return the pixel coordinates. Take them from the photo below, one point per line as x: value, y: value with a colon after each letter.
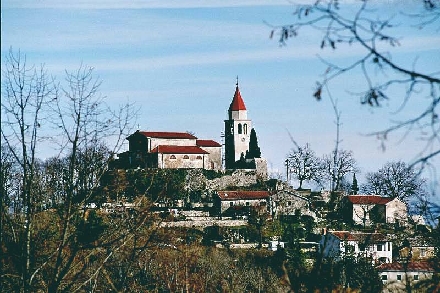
x: 55, y: 245
x: 86, y: 123
x: 304, y: 165
x: 366, y: 29
x: 337, y: 167
x: 26, y: 90
x: 395, y: 179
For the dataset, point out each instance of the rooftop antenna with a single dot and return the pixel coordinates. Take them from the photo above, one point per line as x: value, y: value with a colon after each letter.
x: 237, y: 81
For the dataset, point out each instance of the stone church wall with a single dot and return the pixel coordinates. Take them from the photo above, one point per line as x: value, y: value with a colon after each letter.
x: 165, y: 161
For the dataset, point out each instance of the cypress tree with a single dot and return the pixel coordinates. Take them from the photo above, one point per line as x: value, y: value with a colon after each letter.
x: 354, y: 185
x: 254, y: 149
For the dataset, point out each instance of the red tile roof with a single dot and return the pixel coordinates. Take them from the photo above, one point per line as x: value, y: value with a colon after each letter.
x: 163, y: 134
x: 237, y: 103
x: 358, y: 236
x: 174, y: 149
x: 417, y: 266
x: 207, y: 143
x: 369, y: 199
x: 243, y: 194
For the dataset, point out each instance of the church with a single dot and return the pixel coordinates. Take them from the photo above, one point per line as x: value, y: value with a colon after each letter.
x: 182, y: 150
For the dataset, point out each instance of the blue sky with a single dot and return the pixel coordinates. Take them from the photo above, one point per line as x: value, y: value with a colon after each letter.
x: 178, y: 62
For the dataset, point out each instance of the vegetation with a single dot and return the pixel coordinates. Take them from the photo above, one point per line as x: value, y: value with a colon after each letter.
x: 53, y: 238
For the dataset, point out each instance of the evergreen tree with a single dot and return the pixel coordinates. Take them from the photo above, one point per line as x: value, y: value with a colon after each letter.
x: 254, y: 149
x: 354, y: 185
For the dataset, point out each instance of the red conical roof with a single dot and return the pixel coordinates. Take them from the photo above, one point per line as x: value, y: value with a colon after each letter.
x: 237, y: 103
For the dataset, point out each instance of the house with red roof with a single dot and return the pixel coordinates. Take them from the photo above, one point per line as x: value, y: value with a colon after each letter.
x: 337, y: 244
x: 372, y: 209
x: 417, y: 275
x: 171, y: 150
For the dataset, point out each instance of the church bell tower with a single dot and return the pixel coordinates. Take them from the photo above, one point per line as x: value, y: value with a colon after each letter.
x: 237, y: 130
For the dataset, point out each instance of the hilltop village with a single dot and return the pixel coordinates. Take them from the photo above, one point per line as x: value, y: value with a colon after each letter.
x: 223, y: 192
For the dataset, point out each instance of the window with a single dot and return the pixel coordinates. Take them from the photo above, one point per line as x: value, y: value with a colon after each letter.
x: 245, y: 128
x: 199, y: 157
x: 384, y: 277
x: 379, y: 247
x: 239, y: 128
x: 186, y: 157
x: 247, y: 203
x: 416, y: 277
x: 389, y: 246
x: 422, y: 252
x: 172, y: 157
x: 399, y: 277
x: 231, y: 204
x: 349, y: 248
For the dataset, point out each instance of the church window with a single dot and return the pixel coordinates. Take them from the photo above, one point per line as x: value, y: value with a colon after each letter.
x: 199, y: 157
x: 172, y: 157
x: 239, y: 128
x: 186, y: 157
x: 245, y: 128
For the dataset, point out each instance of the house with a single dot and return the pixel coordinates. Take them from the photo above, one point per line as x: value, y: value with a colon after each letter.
x: 419, y: 276
x: 289, y: 203
x: 239, y: 202
x: 417, y: 249
x: 337, y: 244
x: 368, y: 209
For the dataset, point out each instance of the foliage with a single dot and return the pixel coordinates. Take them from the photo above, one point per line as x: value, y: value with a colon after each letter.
x: 354, y: 186
x: 254, y: 149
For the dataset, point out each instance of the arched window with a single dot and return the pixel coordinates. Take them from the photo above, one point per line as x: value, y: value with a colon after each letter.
x: 186, y: 157
x: 199, y: 157
x: 245, y: 128
x: 240, y: 128
x: 172, y: 157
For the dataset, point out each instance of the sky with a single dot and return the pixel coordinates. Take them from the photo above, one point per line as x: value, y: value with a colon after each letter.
x: 178, y: 62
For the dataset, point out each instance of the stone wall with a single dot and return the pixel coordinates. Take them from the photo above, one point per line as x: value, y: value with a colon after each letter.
x: 238, y: 178
x: 261, y: 168
x: 206, y: 222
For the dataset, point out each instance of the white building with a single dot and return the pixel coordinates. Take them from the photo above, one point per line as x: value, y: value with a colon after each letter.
x: 417, y: 275
x: 337, y: 244
x: 369, y: 209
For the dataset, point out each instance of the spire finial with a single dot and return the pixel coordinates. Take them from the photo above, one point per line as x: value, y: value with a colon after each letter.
x: 237, y: 81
